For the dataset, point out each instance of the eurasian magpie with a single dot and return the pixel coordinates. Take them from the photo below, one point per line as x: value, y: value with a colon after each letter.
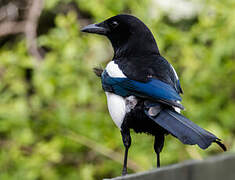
x: 142, y: 87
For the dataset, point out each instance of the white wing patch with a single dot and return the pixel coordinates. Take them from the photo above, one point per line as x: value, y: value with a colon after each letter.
x: 175, y: 72
x: 176, y: 108
x: 113, y: 70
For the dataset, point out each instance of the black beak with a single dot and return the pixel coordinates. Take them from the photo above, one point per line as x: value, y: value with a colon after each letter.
x: 95, y: 28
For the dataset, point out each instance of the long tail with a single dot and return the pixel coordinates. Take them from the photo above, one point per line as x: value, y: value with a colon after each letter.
x: 185, y: 130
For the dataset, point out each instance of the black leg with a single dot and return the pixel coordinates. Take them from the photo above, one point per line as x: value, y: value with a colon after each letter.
x: 158, y: 159
x: 126, y: 138
x: 158, y: 145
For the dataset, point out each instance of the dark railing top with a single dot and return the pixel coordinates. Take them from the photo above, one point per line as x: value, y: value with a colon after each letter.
x: 214, y: 168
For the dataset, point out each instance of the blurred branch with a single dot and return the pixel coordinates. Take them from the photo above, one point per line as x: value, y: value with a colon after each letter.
x: 9, y: 12
x: 9, y: 25
x: 102, y: 150
x: 12, y: 27
x: 34, y: 13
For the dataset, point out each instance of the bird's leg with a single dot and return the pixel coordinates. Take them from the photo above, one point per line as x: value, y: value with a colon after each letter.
x: 126, y: 138
x: 157, y: 152
x: 158, y: 145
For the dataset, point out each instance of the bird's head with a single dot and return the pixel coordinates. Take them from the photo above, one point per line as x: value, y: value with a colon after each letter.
x: 129, y: 35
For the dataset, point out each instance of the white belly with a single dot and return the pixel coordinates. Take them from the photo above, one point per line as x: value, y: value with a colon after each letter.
x: 116, y: 107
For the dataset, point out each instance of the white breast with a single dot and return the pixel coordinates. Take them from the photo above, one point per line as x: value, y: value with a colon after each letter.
x: 116, y: 104
x: 113, y: 70
x: 116, y: 107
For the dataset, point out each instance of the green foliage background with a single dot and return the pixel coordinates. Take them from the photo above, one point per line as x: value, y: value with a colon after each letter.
x: 54, y: 123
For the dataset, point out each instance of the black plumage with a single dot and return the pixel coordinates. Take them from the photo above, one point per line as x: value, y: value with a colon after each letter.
x: 154, y: 66
x: 141, y: 66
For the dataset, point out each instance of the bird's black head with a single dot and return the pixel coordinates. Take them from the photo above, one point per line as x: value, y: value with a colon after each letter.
x: 129, y: 36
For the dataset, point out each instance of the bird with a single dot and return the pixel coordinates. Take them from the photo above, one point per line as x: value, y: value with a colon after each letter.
x: 143, y: 89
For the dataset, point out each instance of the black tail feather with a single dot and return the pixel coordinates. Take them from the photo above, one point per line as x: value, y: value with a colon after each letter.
x: 185, y: 130
x: 221, y: 144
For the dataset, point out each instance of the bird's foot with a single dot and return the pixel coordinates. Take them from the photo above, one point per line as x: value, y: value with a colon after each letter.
x: 124, y: 171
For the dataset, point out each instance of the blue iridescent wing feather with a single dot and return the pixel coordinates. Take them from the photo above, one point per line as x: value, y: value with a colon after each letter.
x: 154, y: 88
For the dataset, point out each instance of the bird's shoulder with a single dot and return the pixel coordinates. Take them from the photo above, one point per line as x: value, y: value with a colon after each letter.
x: 144, y: 68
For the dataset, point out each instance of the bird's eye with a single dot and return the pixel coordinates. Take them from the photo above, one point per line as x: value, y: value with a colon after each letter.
x: 114, y: 24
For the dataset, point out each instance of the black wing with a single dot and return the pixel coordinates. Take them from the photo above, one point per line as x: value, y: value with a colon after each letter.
x: 154, y: 66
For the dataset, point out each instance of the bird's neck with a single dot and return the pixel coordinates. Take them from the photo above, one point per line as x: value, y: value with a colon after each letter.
x: 137, y: 47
